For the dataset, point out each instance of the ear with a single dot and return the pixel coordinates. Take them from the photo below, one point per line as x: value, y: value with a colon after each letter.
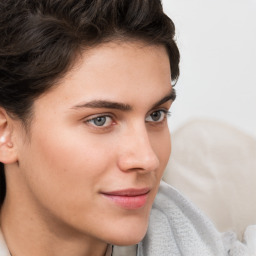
x: 7, y: 150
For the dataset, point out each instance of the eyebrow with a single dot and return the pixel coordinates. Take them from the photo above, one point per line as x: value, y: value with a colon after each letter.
x: 171, y: 96
x: 121, y: 106
x: 104, y: 104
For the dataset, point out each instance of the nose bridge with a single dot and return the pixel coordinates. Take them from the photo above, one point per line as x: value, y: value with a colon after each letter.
x: 136, y: 152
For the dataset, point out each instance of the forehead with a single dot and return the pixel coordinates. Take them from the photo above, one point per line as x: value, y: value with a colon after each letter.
x: 115, y: 71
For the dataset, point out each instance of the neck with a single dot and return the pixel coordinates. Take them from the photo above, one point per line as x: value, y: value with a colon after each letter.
x: 29, y: 232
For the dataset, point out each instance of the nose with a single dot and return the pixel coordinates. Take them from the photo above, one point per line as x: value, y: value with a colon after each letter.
x: 136, y: 152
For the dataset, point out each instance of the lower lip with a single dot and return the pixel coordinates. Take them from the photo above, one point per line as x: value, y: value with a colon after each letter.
x: 128, y: 202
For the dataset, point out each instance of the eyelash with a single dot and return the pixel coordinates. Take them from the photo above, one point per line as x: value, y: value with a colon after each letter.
x: 92, y: 120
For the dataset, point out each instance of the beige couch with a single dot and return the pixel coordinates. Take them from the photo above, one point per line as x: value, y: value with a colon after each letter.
x: 214, y: 165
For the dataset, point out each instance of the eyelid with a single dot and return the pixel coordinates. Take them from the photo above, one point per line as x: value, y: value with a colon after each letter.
x: 105, y: 114
x: 165, y: 110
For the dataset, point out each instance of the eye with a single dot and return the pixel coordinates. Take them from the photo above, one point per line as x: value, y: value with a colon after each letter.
x: 100, y: 121
x: 157, y: 116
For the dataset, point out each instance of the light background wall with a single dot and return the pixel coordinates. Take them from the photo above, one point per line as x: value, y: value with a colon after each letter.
x: 217, y: 41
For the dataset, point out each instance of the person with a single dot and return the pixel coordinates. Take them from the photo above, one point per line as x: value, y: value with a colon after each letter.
x: 85, y: 91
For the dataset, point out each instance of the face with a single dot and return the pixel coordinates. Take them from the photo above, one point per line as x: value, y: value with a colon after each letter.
x: 99, y: 143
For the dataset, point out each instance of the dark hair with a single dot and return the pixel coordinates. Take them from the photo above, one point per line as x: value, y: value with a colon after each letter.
x: 40, y: 40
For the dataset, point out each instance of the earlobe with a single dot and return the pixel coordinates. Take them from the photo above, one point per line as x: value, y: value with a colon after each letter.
x: 7, y: 149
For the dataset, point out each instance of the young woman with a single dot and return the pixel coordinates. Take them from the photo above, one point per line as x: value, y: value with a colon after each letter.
x: 85, y: 91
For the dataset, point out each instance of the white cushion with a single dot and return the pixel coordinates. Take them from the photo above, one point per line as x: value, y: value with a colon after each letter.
x: 214, y: 165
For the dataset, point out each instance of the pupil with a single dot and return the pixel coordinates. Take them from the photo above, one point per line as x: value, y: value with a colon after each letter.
x: 155, y: 116
x: 99, y: 121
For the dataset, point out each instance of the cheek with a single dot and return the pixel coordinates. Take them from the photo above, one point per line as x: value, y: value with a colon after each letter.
x: 64, y: 165
x: 71, y: 157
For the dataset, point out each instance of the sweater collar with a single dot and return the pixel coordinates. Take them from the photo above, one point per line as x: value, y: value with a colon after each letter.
x: 3, y: 247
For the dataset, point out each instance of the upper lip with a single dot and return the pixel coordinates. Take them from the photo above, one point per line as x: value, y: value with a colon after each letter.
x: 128, y: 192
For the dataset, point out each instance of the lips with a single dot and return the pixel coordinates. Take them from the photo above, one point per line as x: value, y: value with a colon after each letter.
x: 128, y: 198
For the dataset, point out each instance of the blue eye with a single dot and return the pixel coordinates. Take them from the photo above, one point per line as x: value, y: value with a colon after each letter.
x: 100, y: 121
x: 157, y: 116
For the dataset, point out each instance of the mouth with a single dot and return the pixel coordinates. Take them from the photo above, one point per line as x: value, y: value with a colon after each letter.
x: 128, y: 198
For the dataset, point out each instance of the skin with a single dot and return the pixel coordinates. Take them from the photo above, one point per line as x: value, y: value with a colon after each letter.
x: 54, y: 203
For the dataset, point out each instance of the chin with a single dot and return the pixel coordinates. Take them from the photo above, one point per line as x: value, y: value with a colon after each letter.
x: 129, y: 235
x: 126, y: 241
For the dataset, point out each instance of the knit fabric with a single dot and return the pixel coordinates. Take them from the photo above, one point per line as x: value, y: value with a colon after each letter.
x: 178, y: 228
